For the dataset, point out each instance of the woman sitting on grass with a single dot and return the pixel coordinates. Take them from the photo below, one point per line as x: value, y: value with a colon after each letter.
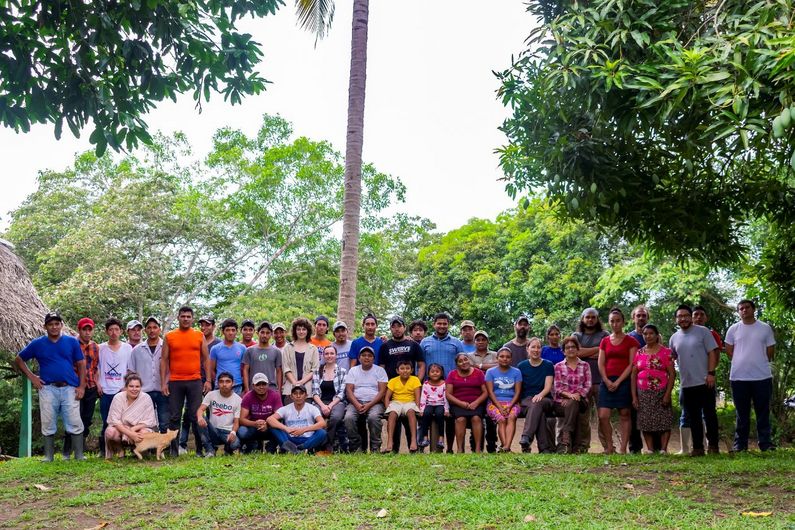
x: 504, y: 385
x: 466, y: 392
x: 652, y: 382
x: 131, y: 414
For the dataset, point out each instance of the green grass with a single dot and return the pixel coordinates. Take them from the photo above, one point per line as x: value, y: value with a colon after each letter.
x: 418, y: 491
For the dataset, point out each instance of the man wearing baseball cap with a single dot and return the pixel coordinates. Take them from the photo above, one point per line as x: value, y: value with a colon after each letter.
x: 88, y: 403
x: 134, y: 329
x: 342, y: 343
x: 60, y: 388
x: 518, y: 344
x: 401, y: 348
x: 279, y: 336
x: 257, y: 406
x: 365, y: 387
x: 468, y: 335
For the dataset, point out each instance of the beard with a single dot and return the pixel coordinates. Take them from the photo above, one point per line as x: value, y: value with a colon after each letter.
x: 521, y: 333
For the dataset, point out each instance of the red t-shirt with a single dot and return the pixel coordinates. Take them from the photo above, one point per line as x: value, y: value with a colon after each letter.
x: 466, y: 388
x: 617, y: 357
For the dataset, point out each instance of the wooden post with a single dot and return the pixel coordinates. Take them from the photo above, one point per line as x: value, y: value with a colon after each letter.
x: 26, y: 422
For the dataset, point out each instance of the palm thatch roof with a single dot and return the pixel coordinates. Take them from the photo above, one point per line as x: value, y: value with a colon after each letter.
x: 21, y: 310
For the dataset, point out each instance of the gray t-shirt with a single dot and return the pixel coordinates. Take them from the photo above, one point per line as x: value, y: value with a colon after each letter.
x: 263, y: 360
x: 691, y: 348
x: 592, y: 340
x: 342, y: 355
x: 299, y: 418
x: 518, y: 352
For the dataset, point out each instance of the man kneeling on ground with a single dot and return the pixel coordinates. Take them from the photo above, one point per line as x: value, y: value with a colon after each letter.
x: 224, y: 405
x: 298, y: 426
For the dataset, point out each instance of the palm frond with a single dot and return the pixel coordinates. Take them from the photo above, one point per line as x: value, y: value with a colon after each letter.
x: 315, y: 16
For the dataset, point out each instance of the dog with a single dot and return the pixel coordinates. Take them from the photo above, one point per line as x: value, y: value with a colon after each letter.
x: 154, y: 440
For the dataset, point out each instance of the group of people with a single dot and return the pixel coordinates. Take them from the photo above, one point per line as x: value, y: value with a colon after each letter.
x: 304, y: 392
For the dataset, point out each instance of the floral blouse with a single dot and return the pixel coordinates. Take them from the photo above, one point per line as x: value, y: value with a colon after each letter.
x: 653, y: 368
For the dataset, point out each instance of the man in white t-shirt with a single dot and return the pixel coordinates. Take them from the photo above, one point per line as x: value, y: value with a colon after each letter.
x: 224, y: 405
x: 113, y: 358
x: 750, y: 344
x: 365, y: 387
x: 298, y: 426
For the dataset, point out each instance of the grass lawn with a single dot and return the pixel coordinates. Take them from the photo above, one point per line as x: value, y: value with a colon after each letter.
x: 417, y: 491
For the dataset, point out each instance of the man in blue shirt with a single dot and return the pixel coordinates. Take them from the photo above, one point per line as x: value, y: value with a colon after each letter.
x: 370, y: 324
x: 60, y: 383
x: 441, y: 348
x: 228, y: 356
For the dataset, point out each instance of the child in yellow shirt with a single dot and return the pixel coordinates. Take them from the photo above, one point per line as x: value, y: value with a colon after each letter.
x: 402, y: 396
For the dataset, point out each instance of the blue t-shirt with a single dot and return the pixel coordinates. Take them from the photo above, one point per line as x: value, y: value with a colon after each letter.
x: 534, y: 377
x: 504, y: 382
x: 553, y: 355
x: 638, y: 337
x: 468, y: 348
x: 56, y: 359
x: 360, y: 343
x: 228, y: 359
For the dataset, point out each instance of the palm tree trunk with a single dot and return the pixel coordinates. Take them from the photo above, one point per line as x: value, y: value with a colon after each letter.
x: 349, y: 265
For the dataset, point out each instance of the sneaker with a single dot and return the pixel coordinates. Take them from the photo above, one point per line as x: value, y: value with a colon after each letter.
x: 183, y: 450
x: 524, y: 443
x: 290, y: 447
x: 697, y: 452
x: 209, y: 454
x: 424, y: 443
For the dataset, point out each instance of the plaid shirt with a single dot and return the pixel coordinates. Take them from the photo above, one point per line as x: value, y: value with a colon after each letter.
x: 577, y: 381
x: 338, y: 379
x: 91, y: 355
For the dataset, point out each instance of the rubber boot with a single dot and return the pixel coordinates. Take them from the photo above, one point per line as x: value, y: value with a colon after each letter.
x: 49, y: 448
x: 685, y: 436
x: 67, y: 446
x: 77, y: 445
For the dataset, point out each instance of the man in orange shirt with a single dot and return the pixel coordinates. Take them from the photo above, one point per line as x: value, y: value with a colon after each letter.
x: 183, y: 355
x: 319, y: 339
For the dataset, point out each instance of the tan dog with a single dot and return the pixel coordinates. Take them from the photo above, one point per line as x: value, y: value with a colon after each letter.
x: 154, y: 440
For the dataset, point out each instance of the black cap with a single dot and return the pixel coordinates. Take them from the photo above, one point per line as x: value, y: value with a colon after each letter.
x: 299, y: 388
x: 321, y: 317
x: 52, y: 315
x: 368, y: 348
x: 207, y: 318
x: 265, y: 324
x: 247, y: 322
x: 397, y: 319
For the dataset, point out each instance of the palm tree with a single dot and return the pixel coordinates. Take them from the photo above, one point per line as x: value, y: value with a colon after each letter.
x: 316, y: 16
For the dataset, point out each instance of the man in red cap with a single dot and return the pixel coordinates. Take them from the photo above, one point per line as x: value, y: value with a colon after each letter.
x: 88, y: 403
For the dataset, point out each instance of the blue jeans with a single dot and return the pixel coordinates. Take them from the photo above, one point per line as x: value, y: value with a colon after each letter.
x: 213, y: 437
x: 59, y: 401
x: 760, y: 393
x: 317, y: 439
x: 250, y: 437
x: 104, y: 408
x: 161, y: 407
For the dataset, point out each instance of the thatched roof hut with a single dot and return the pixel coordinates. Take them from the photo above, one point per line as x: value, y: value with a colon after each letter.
x: 21, y: 310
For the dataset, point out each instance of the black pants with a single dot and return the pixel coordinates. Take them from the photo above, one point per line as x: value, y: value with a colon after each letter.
x: 187, y: 394
x: 697, y: 400
x: 88, y: 404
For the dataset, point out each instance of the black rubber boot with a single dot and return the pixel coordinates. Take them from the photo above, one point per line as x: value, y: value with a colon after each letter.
x: 49, y: 448
x: 67, y: 446
x: 77, y: 445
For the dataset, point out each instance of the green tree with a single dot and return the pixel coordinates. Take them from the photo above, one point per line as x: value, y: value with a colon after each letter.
x: 316, y: 16
x: 111, y: 62
x: 667, y: 123
x: 150, y: 232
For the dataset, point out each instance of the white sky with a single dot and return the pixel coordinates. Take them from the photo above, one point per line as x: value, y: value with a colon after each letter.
x: 431, y: 113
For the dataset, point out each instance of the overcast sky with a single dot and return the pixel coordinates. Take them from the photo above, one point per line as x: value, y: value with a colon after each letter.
x: 431, y: 113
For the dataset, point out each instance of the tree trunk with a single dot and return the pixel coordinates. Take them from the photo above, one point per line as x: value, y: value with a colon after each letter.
x: 349, y: 264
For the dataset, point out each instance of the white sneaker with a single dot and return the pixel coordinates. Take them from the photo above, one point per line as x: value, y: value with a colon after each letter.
x: 209, y: 454
x: 182, y: 451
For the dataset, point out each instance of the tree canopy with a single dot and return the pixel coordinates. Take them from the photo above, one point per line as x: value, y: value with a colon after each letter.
x: 148, y: 232
x: 666, y: 123
x: 111, y: 62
